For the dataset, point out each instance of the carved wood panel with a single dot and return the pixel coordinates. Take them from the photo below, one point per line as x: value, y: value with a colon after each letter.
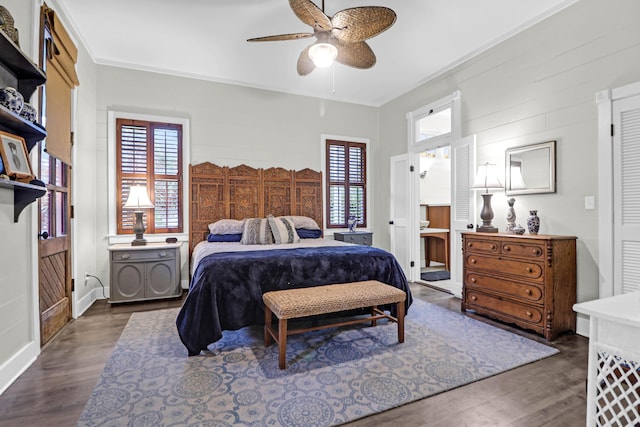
x: 219, y: 192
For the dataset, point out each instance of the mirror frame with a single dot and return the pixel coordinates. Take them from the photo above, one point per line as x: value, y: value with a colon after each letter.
x: 551, y: 145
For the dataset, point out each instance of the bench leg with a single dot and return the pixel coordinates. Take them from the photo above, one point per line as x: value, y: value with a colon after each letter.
x: 282, y: 343
x: 267, y: 324
x: 400, y: 317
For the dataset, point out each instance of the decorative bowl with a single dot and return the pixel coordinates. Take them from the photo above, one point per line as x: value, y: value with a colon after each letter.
x: 29, y: 112
x: 11, y: 99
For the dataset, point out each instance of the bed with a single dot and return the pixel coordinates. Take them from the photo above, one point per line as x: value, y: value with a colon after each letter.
x: 229, y: 278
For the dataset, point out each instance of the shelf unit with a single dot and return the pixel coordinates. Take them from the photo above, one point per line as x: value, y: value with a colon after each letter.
x: 18, y: 71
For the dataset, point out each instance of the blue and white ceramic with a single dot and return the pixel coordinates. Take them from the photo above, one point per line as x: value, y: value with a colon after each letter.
x: 28, y: 112
x: 533, y: 222
x: 352, y: 221
x: 11, y: 99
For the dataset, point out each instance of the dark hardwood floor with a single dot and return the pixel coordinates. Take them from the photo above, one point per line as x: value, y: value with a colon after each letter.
x: 550, y: 392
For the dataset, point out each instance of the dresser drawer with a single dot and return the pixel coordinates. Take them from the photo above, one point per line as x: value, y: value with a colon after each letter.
x: 479, y: 245
x: 503, y: 265
x: 527, y: 250
x: 357, y: 238
x: 527, y: 292
x: 143, y: 255
x: 522, y: 312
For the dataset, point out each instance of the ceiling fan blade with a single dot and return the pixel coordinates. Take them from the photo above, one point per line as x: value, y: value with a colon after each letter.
x: 305, y: 64
x: 310, y: 14
x: 279, y: 37
x: 357, y: 55
x: 361, y: 23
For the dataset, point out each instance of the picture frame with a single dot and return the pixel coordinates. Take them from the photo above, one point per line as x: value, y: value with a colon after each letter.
x: 15, y: 157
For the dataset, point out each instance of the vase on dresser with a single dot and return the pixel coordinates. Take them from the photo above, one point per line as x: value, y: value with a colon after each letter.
x: 533, y: 222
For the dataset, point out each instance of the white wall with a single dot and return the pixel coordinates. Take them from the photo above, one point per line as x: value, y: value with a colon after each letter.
x: 230, y: 125
x: 537, y: 86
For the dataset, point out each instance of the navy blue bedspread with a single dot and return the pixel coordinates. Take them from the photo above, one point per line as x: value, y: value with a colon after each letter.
x: 226, y: 289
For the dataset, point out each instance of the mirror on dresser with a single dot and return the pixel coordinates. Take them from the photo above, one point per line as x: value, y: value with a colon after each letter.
x: 531, y: 169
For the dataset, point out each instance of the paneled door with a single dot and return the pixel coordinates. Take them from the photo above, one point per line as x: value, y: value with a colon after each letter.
x: 54, y: 248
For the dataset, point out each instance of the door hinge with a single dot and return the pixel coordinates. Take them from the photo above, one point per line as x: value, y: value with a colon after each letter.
x: 73, y: 285
x: 72, y: 212
x: 413, y: 263
x: 73, y: 138
x: 611, y: 129
x: 411, y: 168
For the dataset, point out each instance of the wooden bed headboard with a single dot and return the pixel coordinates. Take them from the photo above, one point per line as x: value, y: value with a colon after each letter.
x: 221, y: 192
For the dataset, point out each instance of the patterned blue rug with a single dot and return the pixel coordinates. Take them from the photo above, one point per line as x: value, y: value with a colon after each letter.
x: 332, y: 376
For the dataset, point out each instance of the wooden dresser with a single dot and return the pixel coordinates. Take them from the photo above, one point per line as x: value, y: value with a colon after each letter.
x: 529, y: 281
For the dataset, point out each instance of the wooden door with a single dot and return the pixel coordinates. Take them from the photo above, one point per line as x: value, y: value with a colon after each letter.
x: 54, y: 248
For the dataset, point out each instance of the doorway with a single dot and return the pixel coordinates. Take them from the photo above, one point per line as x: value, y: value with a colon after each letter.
x: 435, y: 225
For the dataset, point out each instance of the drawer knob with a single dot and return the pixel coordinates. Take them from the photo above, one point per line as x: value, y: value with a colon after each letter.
x: 529, y: 270
x: 528, y: 292
x: 469, y: 245
x: 529, y: 314
x: 537, y: 251
x: 472, y: 261
x: 507, y: 248
x: 473, y: 298
x: 472, y: 280
x: 125, y: 256
x: 162, y: 254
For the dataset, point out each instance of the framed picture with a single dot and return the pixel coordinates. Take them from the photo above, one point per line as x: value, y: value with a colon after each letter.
x: 15, y: 158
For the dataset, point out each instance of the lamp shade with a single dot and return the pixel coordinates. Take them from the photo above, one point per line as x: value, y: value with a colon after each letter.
x: 487, y: 178
x: 138, y: 198
x: 323, y: 54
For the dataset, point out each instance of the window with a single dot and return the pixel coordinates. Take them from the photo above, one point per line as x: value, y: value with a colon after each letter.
x: 150, y: 153
x: 346, y: 182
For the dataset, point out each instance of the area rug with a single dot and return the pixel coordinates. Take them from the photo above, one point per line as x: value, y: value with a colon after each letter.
x: 434, y: 276
x: 333, y: 376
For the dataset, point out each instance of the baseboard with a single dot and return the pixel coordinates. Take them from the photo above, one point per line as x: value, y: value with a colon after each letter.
x: 19, y: 362
x: 184, y: 284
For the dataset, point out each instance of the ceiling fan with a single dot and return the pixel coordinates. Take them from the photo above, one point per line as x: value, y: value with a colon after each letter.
x: 340, y: 38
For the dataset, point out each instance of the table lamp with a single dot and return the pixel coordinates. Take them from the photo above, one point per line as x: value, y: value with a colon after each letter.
x: 487, y: 179
x: 138, y: 199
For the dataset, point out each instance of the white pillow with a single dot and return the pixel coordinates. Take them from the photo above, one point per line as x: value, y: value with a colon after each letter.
x: 256, y: 231
x: 283, y: 229
x: 227, y: 226
x: 303, y: 222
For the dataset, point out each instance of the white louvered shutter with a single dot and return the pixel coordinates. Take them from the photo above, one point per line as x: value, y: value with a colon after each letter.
x: 626, y: 195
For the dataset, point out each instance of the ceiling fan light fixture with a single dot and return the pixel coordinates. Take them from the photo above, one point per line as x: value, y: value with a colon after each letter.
x: 323, y: 54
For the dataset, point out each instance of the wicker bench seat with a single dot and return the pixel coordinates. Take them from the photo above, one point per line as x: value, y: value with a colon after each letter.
x: 302, y: 302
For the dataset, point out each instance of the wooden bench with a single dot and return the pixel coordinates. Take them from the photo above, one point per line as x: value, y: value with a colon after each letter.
x: 302, y: 302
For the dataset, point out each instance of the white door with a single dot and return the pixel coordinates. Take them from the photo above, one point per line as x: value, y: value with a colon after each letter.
x: 463, y: 207
x: 399, y: 210
x: 626, y: 195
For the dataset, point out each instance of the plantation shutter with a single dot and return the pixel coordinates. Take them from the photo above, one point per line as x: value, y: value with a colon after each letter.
x: 61, y: 79
x: 346, y: 183
x: 150, y: 154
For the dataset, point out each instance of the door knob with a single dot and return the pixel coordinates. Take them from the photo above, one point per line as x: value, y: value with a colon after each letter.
x: 469, y: 226
x: 44, y: 235
x: 391, y: 222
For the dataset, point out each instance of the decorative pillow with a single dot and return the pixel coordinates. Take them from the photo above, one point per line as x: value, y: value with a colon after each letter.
x: 227, y: 226
x: 256, y: 231
x: 283, y: 230
x: 303, y: 222
x: 304, y: 233
x: 224, y: 237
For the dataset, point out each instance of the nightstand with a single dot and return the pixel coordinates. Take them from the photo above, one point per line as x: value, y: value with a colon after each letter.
x: 356, y: 237
x: 144, y: 272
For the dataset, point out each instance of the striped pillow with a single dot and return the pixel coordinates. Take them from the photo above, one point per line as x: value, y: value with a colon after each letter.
x: 257, y: 231
x: 283, y: 230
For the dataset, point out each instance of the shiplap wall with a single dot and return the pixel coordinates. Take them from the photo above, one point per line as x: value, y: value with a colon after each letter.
x: 537, y: 86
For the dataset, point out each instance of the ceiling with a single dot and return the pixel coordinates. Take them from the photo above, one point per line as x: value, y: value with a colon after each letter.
x: 206, y: 39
